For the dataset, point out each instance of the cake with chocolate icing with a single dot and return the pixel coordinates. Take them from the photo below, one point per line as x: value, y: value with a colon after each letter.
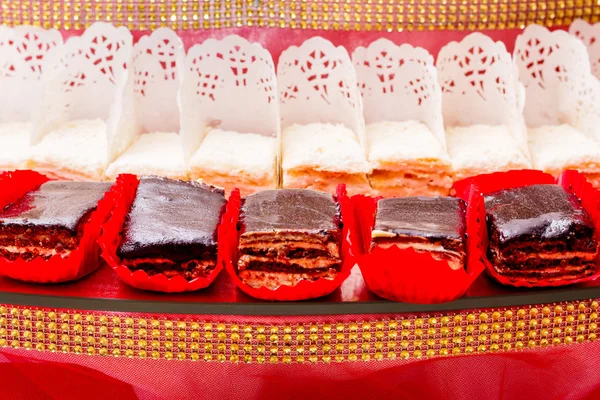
x: 540, y: 232
x: 48, y: 221
x: 171, y: 228
x: 288, y: 235
x: 435, y: 225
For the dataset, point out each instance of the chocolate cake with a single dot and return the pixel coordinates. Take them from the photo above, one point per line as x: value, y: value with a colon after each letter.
x: 288, y: 235
x: 540, y: 232
x: 429, y: 224
x: 171, y: 228
x: 49, y: 220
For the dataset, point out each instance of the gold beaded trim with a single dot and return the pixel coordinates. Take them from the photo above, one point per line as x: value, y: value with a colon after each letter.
x: 405, y: 337
x: 357, y: 15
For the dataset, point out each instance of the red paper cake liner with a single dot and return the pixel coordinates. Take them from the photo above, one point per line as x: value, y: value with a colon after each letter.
x: 122, y: 198
x: 80, y: 262
x: 411, y: 276
x: 572, y: 181
x: 305, y: 289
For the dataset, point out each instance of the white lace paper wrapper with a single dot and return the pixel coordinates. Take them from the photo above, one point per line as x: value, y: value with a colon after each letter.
x: 480, y: 86
x: 88, y: 78
x: 590, y: 35
x: 229, y: 84
x: 555, y: 69
x: 157, y: 61
x: 317, y: 84
x: 399, y: 83
x: 23, y: 51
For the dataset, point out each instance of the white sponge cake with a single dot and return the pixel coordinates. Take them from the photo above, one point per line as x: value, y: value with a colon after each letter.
x: 156, y: 153
x: 555, y: 148
x: 77, y: 150
x: 482, y: 149
x: 407, y: 160
x: 320, y: 156
x: 14, y: 145
x: 229, y: 159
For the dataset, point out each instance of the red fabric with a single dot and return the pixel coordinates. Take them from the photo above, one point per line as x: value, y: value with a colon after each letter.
x: 565, y: 372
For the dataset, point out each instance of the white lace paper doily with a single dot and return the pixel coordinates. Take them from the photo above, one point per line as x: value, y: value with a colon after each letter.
x: 480, y: 86
x: 229, y: 84
x: 317, y: 84
x: 399, y: 83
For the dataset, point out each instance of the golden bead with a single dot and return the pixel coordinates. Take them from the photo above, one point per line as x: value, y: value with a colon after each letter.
x: 558, y: 309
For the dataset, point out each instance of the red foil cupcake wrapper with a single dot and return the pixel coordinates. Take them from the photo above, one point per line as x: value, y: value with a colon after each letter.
x: 122, y: 198
x: 304, y: 289
x: 411, y: 276
x: 80, y: 262
x: 572, y: 181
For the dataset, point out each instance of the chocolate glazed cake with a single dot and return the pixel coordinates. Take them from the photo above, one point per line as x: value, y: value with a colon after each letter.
x: 48, y: 221
x: 288, y: 235
x: 429, y: 224
x: 171, y: 228
x: 540, y: 232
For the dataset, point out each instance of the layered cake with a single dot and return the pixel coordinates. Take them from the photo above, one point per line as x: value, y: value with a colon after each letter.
x: 540, y: 232
x: 48, y: 221
x: 407, y: 160
x: 435, y: 225
x: 228, y: 159
x: 288, y: 235
x: 171, y: 228
x: 483, y: 149
x: 555, y: 148
x: 320, y: 156
x: 155, y: 153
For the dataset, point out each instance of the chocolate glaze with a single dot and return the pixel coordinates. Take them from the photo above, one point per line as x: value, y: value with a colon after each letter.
x: 56, y: 204
x: 536, y: 214
x: 174, y: 219
x: 437, y: 219
x: 296, y: 210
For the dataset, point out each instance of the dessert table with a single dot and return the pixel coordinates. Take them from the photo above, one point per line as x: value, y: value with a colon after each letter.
x: 100, y: 338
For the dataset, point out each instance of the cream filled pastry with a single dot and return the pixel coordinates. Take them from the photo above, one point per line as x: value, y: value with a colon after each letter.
x: 14, y: 145
x: 435, y: 225
x: 555, y: 148
x: 483, y: 149
x: 407, y: 160
x: 156, y: 153
x: 227, y: 159
x: 321, y: 156
x: 77, y: 150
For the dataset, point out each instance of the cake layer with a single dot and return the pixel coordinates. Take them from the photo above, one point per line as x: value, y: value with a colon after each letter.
x: 557, y: 269
x: 260, y: 263
x: 325, y: 181
x: 56, y: 207
x: 189, y: 269
x: 535, y: 214
x: 273, y: 280
x: 173, y: 219
x: 411, y: 182
x: 28, y: 253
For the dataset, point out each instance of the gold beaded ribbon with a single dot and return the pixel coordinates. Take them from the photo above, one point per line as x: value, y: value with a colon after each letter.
x: 298, y: 339
x: 356, y: 15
